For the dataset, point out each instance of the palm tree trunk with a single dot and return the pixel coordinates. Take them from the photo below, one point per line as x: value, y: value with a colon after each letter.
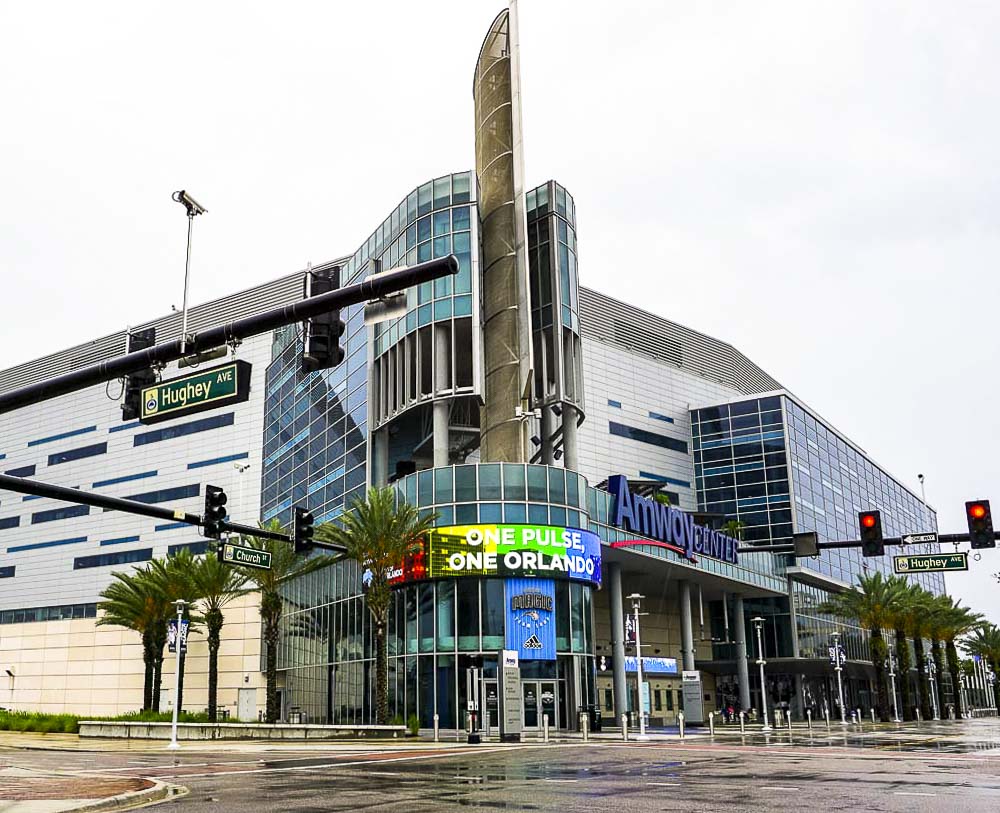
x: 995, y: 666
x: 381, y: 674
x: 953, y: 670
x: 271, y: 613
x: 926, y: 707
x: 938, y: 657
x: 213, y: 621
x: 157, y: 678
x: 148, y: 656
x: 903, y: 674
x: 879, y: 652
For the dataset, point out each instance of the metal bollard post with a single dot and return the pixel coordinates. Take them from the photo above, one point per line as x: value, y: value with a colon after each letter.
x: 873, y: 716
x: 585, y: 726
x: 788, y: 717
x: 436, y: 728
x: 711, y: 724
x: 680, y: 722
x: 625, y: 727
x: 545, y: 728
x: 809, y: 719
x: 742, y: 721
x: 860, y: 718
x: 826, y: 714
x: 919, y: 718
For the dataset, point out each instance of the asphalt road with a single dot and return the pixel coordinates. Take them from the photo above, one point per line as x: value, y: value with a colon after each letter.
x: 620, y: 777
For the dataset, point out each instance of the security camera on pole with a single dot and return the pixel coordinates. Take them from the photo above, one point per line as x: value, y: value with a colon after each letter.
x: 193, y: 208
x: 758, y: 624
x: 636, y: 598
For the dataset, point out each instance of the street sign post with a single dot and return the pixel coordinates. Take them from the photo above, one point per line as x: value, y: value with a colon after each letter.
x: 930, y: 562
x: 246, y: 557
x: 917, y: 539
x: 196, y: 392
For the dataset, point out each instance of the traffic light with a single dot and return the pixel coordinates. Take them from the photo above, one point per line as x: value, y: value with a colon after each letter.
x: 215, y: 511
x: 980, y: 524
x: 321, y: 334
x: 135, y: 382
x: 871, y: 533
x: 302, y: 530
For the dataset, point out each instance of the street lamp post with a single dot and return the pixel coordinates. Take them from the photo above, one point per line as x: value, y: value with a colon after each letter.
x: 636, y: 598
x: 892, y: 681
x: 932, y: 670
x: 193, y: 209
x: 179, y: 604
x: 758, y: 623
x: 838, y: 669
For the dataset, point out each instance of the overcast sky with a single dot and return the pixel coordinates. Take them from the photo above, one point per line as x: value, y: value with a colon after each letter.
x: 816, y: 183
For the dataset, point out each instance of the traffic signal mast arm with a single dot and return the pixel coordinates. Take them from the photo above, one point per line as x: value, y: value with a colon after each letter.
x: 387, y: 283
x: 21, y: 485
x: 856, y: 543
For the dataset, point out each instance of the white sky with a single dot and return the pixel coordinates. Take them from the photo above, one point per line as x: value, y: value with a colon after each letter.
x: 816, y: 183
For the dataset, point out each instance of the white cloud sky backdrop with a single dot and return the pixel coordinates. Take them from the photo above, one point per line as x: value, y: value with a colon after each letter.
x: 816, y: 183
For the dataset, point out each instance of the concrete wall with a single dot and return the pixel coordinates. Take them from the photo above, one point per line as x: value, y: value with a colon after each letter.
x: 77, y: 667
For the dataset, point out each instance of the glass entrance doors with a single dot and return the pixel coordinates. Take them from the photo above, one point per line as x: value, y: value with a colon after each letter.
x: 539, y: 697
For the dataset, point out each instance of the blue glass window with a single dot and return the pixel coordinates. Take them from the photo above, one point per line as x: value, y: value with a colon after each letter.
x: 23, y: 471
x: 196, y: 548
x: 166, y: 494
x: 108, y: 559
x: 460, y: 218
x: 442, y: 191
x: 9, y: 522
x: 615, y: 404
x: 60, y: 513
x: 190, y: 428
x: 78, y: 454
x: 7, y: 572
x: 53, y: 544
x: 423, y: 229
x: 442, y: 222
x: 657, y: 416
x: 460, y: 187
x: 126, y: 478
x: 62, y: 435
x: 121, y: 540
x: 644, y: 436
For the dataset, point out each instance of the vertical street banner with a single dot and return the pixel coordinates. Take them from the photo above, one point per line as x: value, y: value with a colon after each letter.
x: 172, y: 635
x: 530, y: 618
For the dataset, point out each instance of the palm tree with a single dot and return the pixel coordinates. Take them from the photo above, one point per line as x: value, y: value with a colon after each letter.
x: 217, y: 584
x: 872, y: 607
x: 130, y: 602
x: 734, y: 528
x: 910, y: 598
x: 985, y: 642
x: 961, y: 622
x: 172, y: 578
x: 937, y: 619
x: 378, y: 535
x: 915, y: 620
x: 285, y: 567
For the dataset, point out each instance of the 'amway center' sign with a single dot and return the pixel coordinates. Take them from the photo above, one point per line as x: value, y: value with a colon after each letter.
x: 675, y: 529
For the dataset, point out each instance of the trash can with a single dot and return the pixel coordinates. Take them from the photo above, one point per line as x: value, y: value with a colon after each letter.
x: 593, y: 717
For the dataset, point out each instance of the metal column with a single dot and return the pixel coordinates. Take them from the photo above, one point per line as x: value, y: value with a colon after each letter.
x: 798, y: 701
x: 380, y: 457
x: 442, y: 406
x: 687, y: 632
x: 618, y: 640
x: 547, y: 430
x: 569, y: 437
x: 742, y: 670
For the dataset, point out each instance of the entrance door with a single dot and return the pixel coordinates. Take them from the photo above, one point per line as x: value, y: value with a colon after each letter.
x: 539, y: 697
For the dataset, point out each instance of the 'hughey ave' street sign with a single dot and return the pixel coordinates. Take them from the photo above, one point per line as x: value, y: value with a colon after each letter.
x: 196, y: 392
x: 246, y: 557
x: 930, y: 562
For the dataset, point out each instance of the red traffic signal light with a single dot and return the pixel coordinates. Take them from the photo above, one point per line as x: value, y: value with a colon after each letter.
x: 870, y: 523
x: 981, y: 535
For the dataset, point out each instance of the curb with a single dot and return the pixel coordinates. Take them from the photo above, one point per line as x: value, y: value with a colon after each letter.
x: 159, y: 792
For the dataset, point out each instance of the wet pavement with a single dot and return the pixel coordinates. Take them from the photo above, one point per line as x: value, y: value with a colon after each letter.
x: 929, y: 767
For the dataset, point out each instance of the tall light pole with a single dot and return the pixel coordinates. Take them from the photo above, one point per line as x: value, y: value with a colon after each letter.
x: 193, y: 208
x: 932, y: 671
x: 636, y: 598
x: 892, y: 681
x: 180, y: 604
x: 758, y: 624
x: 838, y: 668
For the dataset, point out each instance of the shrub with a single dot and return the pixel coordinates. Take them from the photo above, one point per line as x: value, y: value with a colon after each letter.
x: 413, y: 725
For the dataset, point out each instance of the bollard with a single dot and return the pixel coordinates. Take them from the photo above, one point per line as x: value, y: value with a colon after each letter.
x: 742, y: 729
x: 711, y: 724
x: 860, y: 718
x: 809, y: 719
x: 788, y: 717
x: 625, y: 727
x: 680, y: 723
x: 873, y: 716
x: 826, y: 714
x: 585, y: 726
x: 919, y: 718
x: 545, y: 728
x: 777, y: 718
x: 436, y: 729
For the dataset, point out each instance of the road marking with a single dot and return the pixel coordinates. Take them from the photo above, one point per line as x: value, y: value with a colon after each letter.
x: 547, y: 779
x: 665, y: 784
x: 776, y: 787
x: 912, y: 793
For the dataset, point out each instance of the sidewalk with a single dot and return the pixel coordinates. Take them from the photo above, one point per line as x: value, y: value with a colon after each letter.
x: 32, y: 791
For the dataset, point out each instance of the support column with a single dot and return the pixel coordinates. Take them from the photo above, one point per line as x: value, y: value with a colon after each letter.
x: 380, y: 457
x: 618, y: 641
x: 687, y: 633
x: 571, y: 459
x: 742, y: 669
x: 547, y: 430
x: 442, y: 406
x: 798, y: 701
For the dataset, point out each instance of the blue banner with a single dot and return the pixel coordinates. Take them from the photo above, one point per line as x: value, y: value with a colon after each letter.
x: 530, y: 618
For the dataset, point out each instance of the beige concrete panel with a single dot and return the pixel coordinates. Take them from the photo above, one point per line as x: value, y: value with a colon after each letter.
x: 81, y: 653
x: 33, y: 655
x: 113, y: 636
x: 57, y: 641
x: 53, y: 682
x: 131, y: 681
x: 102, y: 654
x: 10, y: 642
x: 56, y: 654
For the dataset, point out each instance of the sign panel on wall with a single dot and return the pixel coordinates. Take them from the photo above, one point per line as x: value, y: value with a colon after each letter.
x: 544, y: 551
x: 930, y: 562
x: 652, y: 665
x: 530, y: 618
x: 510, y: 677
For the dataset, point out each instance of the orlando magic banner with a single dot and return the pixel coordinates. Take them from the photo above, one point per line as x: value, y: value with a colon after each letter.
x: 530, y: 618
